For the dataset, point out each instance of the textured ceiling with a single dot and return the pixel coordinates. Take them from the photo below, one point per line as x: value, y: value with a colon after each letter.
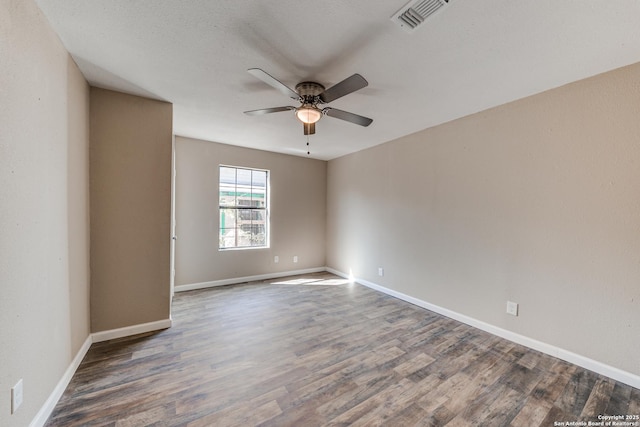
x: 470, y: 56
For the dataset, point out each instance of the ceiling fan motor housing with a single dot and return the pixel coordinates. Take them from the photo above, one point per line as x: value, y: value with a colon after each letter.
x: 309, y: 91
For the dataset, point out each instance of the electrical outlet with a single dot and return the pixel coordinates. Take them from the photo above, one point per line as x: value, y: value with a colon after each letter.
x: 295, y: 258
x: 512, y: 308
x: 276, y: 259
x: 380, y: 271
x: 16, y: 396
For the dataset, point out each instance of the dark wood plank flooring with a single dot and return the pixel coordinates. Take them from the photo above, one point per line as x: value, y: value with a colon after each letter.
x: 314, y: 350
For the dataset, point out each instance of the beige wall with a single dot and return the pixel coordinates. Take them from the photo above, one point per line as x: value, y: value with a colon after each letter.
x: 44, y: 307
x: 130, y: 167
x: 78, y: 205
x: 298, y: 193
x: 537, y: 202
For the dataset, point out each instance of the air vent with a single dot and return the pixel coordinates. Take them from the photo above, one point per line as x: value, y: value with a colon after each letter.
x: 414, y: 13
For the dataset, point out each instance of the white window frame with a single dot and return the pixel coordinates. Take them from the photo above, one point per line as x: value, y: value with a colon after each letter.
x: 237, y: 206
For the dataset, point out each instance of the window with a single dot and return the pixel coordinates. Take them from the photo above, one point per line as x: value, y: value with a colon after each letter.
x: 243, y: 201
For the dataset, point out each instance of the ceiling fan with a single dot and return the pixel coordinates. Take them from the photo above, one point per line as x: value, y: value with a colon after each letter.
x: 310, y: 95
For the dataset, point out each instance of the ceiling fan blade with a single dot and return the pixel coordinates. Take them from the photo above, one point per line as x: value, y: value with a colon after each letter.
x: 349, y: 117
x: 309, y: 128
x: 345, y: 87
x: 268, y: 110
x: 273, y: 82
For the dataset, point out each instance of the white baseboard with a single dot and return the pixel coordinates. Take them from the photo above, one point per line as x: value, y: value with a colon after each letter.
x: 131, y: 330
x: 577, y: 359
x: 214, y: 283
x: 46, y: 409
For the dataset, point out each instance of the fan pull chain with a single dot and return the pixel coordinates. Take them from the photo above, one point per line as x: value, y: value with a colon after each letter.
x: 308, y: 152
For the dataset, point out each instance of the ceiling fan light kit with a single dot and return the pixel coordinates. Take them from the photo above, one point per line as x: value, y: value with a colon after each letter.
x: 308, y: 114
x: 310, y: 94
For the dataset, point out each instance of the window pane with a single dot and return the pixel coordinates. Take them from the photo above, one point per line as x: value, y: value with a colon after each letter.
x: 257, y: 216
x: 227, y: 195
x: 258, y: 197
x: 243, y: 238
x: 244, y: 178
x: 259, y: 189
x: 258, y: 235
x: 244, y: 216
x: 228, y: 176
x: 227, y: 238
x: 227, y: 218
x: 259, y: 178
x: 227, y: 228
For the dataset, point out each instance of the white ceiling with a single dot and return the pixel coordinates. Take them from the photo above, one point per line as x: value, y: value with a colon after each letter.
x: 470, y: 56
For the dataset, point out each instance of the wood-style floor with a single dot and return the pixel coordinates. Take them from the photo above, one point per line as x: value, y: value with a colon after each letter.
x: 315, y: 351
